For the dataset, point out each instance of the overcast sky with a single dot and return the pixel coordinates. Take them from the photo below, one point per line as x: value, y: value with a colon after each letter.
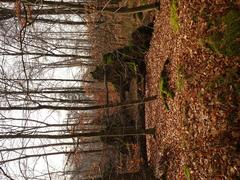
x: 13, y: 67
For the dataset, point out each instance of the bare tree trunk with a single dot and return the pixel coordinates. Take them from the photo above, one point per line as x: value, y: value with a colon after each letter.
x: 58, y: 100
x: 10, y: 13
x: 56, y: 80
x: 74, y: 8
x: 64, y: 22
x: 40, y: 92
x: 45, y: 154
x: 115, y: 133
x: 126, y: 10
x: 77, y: 108
x: 47, y: 145
x: 45, y: 54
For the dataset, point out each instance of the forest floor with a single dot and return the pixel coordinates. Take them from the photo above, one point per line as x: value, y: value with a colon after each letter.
x: 199, y: 136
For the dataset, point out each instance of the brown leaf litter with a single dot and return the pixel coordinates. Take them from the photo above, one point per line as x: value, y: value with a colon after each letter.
x: 201, y: 131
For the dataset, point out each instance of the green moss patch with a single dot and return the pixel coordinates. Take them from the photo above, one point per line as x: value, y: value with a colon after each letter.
x: 187, y: 173
x: 164, y: 89
x: 174, y: 21
x: 225, y: 36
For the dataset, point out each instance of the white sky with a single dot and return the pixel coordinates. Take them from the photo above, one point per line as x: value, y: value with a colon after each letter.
x: 55, y: 163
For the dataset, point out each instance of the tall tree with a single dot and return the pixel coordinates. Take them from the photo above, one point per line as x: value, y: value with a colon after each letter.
x: 70, y: 8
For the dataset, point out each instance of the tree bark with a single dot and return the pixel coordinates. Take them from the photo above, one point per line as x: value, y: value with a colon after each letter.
x: 40, y: 92
x: 77, y: 108
x: 74, y: 8
x: 126, y: 10
x: 116, y: 133
x: 6, y: 14
x: 47, y: 145
x: 64, y: 22
x: 44, y: 154
x: 54, y: 80
x: 45, y: 54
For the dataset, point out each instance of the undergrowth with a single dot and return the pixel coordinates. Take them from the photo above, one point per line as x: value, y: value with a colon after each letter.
x: 225, y: 35
x: 227, y: 89
x: 229, y: 79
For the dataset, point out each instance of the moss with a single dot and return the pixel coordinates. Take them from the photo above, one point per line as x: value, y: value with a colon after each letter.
x: 225, y: 39
x: 187, y: 173
x: 133, y: 67
x: 164, y: 88
x: 174, y: 21
x: 226, y: 89
x: 222, y: 83
x: 143, y: 2
x: 107, y: 59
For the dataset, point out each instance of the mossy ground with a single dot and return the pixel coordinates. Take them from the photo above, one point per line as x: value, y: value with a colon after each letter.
x: 225, y: 36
